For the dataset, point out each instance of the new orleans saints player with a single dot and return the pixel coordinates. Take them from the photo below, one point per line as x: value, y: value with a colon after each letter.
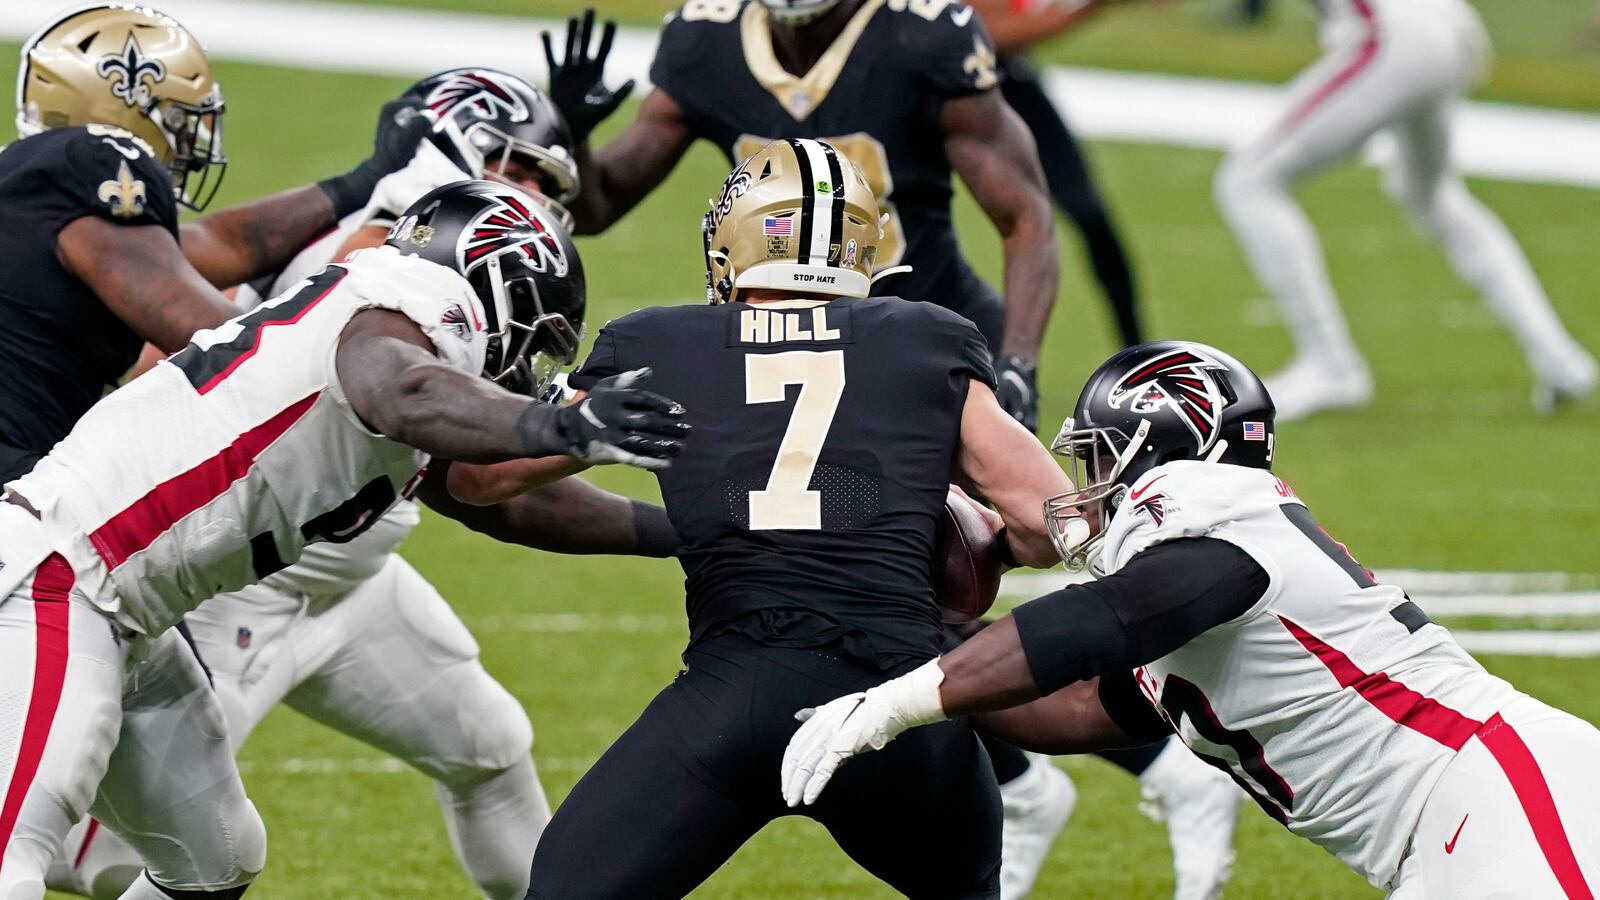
x: 122, y: 124
x: 904, y: 88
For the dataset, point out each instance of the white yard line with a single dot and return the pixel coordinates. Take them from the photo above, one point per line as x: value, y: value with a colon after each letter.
x: 1494, y: 140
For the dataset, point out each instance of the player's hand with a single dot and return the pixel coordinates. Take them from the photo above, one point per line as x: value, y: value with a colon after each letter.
x: 854, y: 724
x: 619, y: 423
x: 577, y: 82
x: 401, y: 127
x: 1018, y: 390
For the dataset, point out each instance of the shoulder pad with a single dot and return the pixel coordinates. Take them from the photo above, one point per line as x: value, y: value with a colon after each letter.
x: 1179, y: 500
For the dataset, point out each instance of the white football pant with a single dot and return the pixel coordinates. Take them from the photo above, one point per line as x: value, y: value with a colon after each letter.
x: 1516, y: 816
x: 390, y: 665
x: 1401, y: 74
x: 82, y: 709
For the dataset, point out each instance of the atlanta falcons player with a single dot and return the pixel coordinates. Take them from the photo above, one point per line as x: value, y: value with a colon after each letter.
x: 303, y: 421
x: 1398, y: 66
x: 321, y: 634
x: 1227, y: 615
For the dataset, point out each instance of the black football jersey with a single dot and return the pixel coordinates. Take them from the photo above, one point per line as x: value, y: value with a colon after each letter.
x: 824, y: 435
x: 875, y: 95
x: 61, y: 347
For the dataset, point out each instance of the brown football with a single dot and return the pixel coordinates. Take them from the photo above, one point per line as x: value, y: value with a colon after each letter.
x: 966, y: 562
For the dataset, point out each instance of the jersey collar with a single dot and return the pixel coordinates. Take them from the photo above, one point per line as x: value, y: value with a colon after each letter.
x: 799, y: 96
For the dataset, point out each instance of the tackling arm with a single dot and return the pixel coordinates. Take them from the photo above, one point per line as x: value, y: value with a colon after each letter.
x: 990, y: 148
x: 141, y: 275
x: 622, y: 173
x: 1004, y: 463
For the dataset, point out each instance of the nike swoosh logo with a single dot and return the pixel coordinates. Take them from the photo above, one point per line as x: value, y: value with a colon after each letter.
x: 1140, y: 492
x: 1450, y: 847
x: 961, y: 16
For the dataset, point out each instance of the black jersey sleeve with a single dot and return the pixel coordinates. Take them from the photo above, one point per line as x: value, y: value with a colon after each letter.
x: 107, y: 173
x: 602, y: 362
x: 975, y: 354
x: 1163, y: 598
x: 952, y: 51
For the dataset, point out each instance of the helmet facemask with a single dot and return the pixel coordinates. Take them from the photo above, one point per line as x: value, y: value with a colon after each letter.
x: 194, y: 134
x: 1097, y: 461
x: 528, y: 346
x: 495, y: 152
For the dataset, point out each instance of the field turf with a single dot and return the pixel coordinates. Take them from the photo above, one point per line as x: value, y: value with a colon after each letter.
x: 1449, y: 470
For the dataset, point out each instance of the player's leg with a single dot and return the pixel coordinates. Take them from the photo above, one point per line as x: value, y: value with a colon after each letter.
x: 1484, y: 252
x: 172, y: 790
x: 1200, y: 806
x: 246, y: 641
x: 675, y: 796
x: 1516, y: 814
x: 1074, y: 190
x: 61, y: 672
x: 402, y: 674
x: 1330, y: 110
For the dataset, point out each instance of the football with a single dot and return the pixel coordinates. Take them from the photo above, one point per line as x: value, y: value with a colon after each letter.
x: 967, y: 561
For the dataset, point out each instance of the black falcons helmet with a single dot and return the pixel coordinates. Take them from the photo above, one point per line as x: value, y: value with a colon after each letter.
x: 519, y: 261
x: 485, y: 118
x: 1151, y: 404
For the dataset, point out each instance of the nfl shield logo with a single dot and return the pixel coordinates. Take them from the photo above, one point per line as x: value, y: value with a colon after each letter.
x: 242, y: 639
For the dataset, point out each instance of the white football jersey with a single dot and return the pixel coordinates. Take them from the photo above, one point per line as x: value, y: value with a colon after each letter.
x: 218, y: 467
x: 1333, y: 701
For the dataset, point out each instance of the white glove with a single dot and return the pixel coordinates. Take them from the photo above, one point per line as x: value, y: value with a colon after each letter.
x: 394, y: 192
x: 856, y: 723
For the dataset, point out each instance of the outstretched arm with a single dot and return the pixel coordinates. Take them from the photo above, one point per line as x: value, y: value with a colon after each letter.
x: 568, y: 516
x: 1005, y: 464
x: 622, y: 173
x: 400, y: 389
x: 243, y: 243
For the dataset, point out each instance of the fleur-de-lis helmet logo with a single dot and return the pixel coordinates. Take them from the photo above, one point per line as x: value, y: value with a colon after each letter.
x: 128, y: 72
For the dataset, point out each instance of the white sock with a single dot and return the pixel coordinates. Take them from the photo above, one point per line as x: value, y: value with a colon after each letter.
x: 494, y: 825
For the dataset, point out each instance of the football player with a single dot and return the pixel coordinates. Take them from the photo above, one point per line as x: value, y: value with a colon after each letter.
x: 303, y: 421
x: 121, y: 124
x: 1397, y: 66
x: 1227, y: 615
x: 352, y: 636
x: 827, y: 426
x: 906, y: 91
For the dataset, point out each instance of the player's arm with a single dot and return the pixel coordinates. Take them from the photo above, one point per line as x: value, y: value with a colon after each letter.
x: 992, y: 151
x: 1006, y: 465
x: 363, y: 238
x: 1013, y: 29
x: 623, y: 172
x: 1082, y: 717
x: 1162, y: 599
x: 485, y: 485
x: 141, y: 275
x: 567, y: 516
x: 399, y: 388
x: 236, y: 245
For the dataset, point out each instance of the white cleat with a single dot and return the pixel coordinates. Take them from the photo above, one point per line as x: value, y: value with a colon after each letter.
x: 1564, y: 380
x: 1200, y: 806
x: 1308, y: 386
x: 1037, y: 805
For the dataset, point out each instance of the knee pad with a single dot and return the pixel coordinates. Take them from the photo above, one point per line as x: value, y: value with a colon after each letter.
x: 497, y: 730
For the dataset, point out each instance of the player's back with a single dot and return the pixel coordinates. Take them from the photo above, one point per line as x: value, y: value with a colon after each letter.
x: 1334, y: 700
x: 824, y: 439
x: 216, y: 468
x: 61, y: 346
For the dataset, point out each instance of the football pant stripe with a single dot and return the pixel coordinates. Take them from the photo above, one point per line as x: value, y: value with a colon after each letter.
x: 52, y: 583
x: 1533, y: 792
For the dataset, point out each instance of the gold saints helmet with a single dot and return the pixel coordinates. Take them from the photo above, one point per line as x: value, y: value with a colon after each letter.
x: 132, y: 68
x: 796, y: 216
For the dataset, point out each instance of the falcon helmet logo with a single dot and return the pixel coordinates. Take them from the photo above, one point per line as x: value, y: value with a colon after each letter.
x: 482, y: 92
x: 128, y: 72
x: 511, y: 227
x: 1179, y: 380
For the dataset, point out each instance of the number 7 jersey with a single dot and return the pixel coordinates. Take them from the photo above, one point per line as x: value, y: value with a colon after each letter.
x: 217, y: 468
x: 824, y: 436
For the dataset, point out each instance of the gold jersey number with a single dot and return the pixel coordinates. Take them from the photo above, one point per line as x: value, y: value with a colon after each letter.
x: 787, y: 501
x: 868, y: 155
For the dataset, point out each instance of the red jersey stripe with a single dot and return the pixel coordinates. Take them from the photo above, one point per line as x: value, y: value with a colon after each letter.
x: 138, y: 526
x: 52, y: 581
x: 1522, y: 770
x: 1400, y: 703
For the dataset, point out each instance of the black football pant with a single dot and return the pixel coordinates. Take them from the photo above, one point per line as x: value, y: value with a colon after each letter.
x: 698, y: 774
x: 1074, y: 190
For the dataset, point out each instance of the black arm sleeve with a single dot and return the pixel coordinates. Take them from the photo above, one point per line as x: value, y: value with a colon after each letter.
x: 1127, y: 706
x: 1159, y: 601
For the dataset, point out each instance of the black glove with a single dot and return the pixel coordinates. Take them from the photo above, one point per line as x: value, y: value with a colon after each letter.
x: 401, y: 127
x: 1018, y: 390
x: 577, y: 85
x: 617, y: 422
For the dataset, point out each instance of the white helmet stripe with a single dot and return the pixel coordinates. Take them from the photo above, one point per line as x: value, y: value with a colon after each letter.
x: 823, y: 201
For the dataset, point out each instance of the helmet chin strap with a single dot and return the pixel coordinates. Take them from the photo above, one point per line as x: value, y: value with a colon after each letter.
x: 1132, y: 450
x: 1220, y: 448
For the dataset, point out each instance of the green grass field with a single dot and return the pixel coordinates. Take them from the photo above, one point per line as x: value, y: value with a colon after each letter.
x: 1449, y: 470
